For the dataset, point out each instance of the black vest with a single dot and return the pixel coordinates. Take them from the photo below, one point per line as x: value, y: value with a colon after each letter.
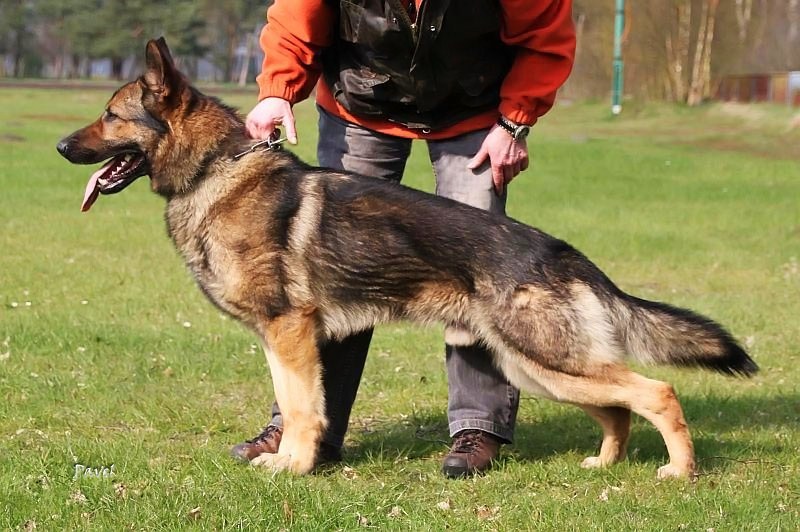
x: 447, y: 67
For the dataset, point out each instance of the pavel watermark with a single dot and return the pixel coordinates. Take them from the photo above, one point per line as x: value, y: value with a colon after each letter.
x: 82, y: 471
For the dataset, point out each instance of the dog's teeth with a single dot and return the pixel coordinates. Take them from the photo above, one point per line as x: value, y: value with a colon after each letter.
x: 128, y: 157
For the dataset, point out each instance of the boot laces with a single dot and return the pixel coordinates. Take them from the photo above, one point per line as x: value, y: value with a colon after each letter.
x: 467, y: 441
x: 266, y: 434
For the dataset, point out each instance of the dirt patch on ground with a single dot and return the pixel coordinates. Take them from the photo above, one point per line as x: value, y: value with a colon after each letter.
x: 751, y: 141
x: 10, y: 137
x: 742, y: 111
x: 778, y: 149
x: 54, y: 118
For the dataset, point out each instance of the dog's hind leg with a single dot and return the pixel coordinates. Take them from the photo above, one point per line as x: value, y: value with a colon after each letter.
x: 614, y: 385
x: 291, y: 348
x: 616, y: 424
x: 655, y: 401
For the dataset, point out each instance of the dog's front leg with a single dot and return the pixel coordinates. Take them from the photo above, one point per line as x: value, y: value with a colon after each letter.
x: 291, y: 349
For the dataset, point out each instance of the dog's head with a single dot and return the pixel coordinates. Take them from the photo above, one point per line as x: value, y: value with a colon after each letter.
x: 134, y: 129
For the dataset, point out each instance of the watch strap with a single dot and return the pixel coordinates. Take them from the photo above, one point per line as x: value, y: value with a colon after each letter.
x: 517, y: 131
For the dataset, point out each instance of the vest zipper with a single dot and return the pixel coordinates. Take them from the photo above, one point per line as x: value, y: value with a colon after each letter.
x: 402, y: 12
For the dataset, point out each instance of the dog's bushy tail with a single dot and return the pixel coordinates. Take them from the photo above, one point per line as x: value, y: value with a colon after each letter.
x: 657, y: 333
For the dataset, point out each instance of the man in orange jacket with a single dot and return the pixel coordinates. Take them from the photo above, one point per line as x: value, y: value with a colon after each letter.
x: 468, y: 77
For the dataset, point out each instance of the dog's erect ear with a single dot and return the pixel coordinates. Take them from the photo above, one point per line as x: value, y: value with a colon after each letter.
x: 161, y: 76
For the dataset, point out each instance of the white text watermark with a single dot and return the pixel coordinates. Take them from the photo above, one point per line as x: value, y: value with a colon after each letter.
x: 82, y: 471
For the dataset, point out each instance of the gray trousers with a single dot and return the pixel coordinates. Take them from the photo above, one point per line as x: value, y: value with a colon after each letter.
x: 479, y: 396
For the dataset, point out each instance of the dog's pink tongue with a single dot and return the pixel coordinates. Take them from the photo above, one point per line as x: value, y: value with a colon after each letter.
x: 92, y: 190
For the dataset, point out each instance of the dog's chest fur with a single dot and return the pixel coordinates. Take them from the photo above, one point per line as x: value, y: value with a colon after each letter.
x: 208, y: 247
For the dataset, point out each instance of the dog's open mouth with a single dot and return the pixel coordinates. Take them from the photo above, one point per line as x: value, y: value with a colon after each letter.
x: 115, y: 175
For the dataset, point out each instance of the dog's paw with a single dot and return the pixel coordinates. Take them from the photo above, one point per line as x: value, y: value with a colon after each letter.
x: 674, y: 471
x: 274, y: 461
x: 592, y: 462
x: 284, y: 462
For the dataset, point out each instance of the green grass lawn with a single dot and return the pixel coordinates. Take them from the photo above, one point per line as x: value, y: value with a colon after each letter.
x: 110, y: 356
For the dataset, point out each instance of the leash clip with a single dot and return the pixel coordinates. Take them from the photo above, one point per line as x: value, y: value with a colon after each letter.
x: 272, y: 143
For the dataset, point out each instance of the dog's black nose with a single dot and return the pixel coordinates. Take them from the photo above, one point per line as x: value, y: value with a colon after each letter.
x: 62, y: 147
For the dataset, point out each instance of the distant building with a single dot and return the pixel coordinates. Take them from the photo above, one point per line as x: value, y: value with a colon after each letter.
x: 776, y: 87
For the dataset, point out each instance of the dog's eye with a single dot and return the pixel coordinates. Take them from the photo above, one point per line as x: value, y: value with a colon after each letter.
x: 108, y: 115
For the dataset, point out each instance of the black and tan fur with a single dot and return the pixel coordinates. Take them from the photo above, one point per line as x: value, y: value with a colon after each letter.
x: 302, y: 254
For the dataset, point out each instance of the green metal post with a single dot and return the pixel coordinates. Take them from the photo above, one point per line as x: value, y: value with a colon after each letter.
x: 616, y: 90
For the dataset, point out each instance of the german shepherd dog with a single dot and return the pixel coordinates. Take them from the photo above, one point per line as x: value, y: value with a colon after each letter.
x: 301, y: 255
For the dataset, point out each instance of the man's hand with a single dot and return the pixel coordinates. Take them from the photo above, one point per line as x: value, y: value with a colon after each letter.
x: 269, y: 113
x: 507, y: 156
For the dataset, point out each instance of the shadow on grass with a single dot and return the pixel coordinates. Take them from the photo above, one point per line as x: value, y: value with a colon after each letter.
x: 722, y: 428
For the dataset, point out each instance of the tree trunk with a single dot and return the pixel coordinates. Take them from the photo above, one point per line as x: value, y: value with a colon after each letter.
x: 232, y: 34
x: 116, y: 68
x: 244, y: 71
x: 706, y: 73
x: 580, y: 23
x: 793, y: 14
x: 86, y: 67
x: 75, y: 66
x: 678, y: 50
x: 695, y: 84
x: 701, y: 66
x: 744, y: 12
x: 18, y: 63
x: 58, y: 66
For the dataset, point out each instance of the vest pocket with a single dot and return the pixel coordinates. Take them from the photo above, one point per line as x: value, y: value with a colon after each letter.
x: 362, y: 81
x: 362, y: 91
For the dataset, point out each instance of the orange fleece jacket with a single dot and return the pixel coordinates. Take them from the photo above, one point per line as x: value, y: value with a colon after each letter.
x: 542, y: 31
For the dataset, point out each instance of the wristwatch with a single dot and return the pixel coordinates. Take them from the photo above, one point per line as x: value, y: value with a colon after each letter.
x: 517, y: 131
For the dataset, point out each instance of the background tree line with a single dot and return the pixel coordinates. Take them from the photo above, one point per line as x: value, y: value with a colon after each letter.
x: 678, y: 50
x: 673, y: 49
x: 60, y: 38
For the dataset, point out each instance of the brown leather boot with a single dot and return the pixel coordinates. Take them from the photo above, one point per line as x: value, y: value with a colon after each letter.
x: 472, y: 452
x: 267, y: 442
x: 270, y: 440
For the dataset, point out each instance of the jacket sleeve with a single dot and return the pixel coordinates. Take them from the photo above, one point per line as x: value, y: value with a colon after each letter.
x: 543, y: 33
x: 295, y: 33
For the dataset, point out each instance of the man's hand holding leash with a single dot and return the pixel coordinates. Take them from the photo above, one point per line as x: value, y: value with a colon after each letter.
x: 269, y: 113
